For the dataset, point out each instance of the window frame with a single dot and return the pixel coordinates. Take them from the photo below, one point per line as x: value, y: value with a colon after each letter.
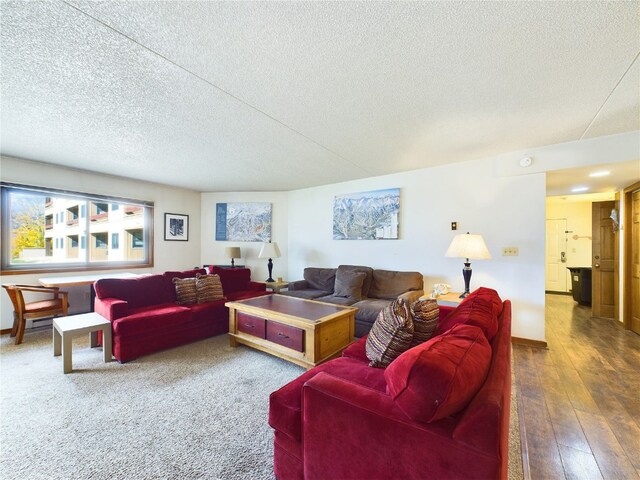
x: 84, y: 264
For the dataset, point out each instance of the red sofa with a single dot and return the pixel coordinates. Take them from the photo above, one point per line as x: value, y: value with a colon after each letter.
x: 145, y: 317
x: 440, y: 410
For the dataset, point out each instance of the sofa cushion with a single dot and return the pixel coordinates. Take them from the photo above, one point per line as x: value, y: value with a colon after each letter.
x: 357, y: 350
x: 440, y: 377
x: 211, y: 312
x: 425, y: 320
x: 285, y: 404
x: 233, y: 279
x: 148, y: 319
x: 479, y: 310
x: 186, y: 291
x: 337, y: 300
x: 391, y: 284
x: 209, y: 288
x: 349, y: 284
x: 137, y: 292
x: 308, y: 294
x: 369, y: 308
x: 322, y: 279
x: 358, y: 268
x: 390, y: 335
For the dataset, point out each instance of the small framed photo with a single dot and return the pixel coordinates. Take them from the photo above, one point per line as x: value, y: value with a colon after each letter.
x: 176, y: 227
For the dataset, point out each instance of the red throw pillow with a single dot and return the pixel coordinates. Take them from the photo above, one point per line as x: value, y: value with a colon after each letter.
x: 478, y: 310
x: 441, y: 376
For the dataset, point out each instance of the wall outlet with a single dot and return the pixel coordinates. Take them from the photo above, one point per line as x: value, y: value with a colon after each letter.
x: 510, y: 251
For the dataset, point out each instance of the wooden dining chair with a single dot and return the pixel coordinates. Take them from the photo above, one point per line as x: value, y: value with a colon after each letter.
x: 57, y: 304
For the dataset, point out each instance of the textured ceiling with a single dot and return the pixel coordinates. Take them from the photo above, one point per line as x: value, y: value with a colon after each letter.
x: 233, y: 96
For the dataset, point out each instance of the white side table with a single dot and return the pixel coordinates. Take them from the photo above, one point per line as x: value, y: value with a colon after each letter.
x: 451, y: 299
x: 65, y: 328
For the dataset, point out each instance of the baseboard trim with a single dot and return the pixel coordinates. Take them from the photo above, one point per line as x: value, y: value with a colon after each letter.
x: 529, y: 343
x: 6, y: 330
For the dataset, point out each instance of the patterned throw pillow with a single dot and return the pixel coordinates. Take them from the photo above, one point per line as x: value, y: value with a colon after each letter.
x: 425, y: 320
x: 209, y: 288
x: 186, y: 291
x: 390, y: 335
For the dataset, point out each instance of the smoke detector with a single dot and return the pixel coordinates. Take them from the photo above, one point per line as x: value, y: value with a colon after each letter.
x: 526, y: 162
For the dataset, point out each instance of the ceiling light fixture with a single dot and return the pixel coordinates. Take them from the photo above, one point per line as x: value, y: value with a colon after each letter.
x: 579, y: 189
x: 603, y: 173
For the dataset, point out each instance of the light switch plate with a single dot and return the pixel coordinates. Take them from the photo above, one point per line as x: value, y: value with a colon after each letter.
x: 510, y: 251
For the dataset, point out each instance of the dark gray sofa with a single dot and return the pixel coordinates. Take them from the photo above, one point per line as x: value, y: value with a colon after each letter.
x: 363, y: 287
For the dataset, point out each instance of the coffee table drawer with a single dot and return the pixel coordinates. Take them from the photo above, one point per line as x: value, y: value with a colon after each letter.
x: 285, y: 335
x: 252, y: 325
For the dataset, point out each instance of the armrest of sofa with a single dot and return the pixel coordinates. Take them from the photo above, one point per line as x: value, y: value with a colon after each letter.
x: 411, y: 296
x: 256, y: 287
x: 351, y: 431
x: 298, y: 285
x: 111, y: 308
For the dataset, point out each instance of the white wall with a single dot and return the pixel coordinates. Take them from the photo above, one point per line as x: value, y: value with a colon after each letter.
x: 167, y: 255
x: 213, y: 251
x: 506, y: 211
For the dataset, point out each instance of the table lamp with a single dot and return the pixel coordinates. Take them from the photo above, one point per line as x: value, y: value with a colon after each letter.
x: 269, y: 250
x: 232, y: 252
x: 468, y: 246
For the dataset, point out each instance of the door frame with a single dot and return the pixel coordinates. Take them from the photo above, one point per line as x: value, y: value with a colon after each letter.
x: 626, y: 276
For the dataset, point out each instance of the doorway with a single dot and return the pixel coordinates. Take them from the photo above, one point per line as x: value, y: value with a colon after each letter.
x: 575, y: 236
x: 556, y: 256
x: 631, y: 281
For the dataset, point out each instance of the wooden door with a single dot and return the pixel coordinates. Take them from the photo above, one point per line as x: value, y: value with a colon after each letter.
x: 556, y: 255
x: 634, y: 272
x: 603, y: 260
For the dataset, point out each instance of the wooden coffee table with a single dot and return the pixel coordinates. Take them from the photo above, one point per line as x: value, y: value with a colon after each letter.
x: 305, y: 332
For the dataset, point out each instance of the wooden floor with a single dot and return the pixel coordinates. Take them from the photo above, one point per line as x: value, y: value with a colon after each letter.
x: 580, y: 399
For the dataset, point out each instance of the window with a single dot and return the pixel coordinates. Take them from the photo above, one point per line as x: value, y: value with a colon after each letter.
x: 47, y: 229
x: 101, y: 240
x: 137, y: 239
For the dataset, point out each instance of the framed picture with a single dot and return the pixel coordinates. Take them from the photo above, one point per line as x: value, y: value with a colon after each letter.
x: 176, y: 227
x: 367, y: 215
x: 243, y: 222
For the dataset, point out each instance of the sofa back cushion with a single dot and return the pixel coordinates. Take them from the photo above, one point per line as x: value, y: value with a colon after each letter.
x: 366, y: 285
x: 349, y: 284
x: 440, y: 377
x: 320, y: 278
x: 389, y: 284
x: 139, y: 292
x: 233, y: 279
x: 480, y: 309
x: 184, y: 274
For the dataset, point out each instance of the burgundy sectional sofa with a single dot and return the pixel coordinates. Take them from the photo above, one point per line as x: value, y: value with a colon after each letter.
x: 145, y: 317
x: 440, y: 410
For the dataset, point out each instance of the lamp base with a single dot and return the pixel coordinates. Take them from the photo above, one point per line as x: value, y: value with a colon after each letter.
x: 270, y: 267
x: 466, y: 274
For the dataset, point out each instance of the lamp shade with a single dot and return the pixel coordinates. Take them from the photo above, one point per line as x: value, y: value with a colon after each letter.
x: 467, y: 245
x: 269, y: 250
x: 232, y: 252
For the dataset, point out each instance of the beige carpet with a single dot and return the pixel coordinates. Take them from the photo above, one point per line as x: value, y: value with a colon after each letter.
x: 198, y: 411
